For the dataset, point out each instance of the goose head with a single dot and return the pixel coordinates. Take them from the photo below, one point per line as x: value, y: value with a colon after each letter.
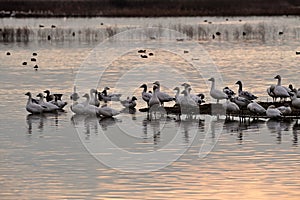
x: 201, y: 96
x: 184, y: 92
x: 157, y: 83
x: 143, y: 86
x: 106, y: 88
x: 47, y: 92
x: 239, y: 83
x: 86, y: 95
x: 28, y: 94
x: 211, y: 79
x: 277, y: 77
x: 186, y: 85
x: 176, y: 89
x: 155, y: 87
x: 40, y: 95
x: 133, y: 98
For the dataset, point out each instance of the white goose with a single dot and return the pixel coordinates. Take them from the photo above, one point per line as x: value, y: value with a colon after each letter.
x: 78, y: 108
x: 50, y: 107
x: 216, y: 94
x: 230, y: 107
x: 106, y: 111
x: 88, y: 108
x: 295, y: 101
x: 154, y: 101
x: 273, y: 112
x: 245, y: 94
x: 198, y: 98
x: 163, y: 97
x: 280, y: 91
x: 187, y: 101
x: 93, y: 98
x: 178, y: 97
x: 256, y: 108
x: 270, y: 92
x: 129, y: 102
x: 285, y: 109
x: 146, y: 96
x: 33, y: 107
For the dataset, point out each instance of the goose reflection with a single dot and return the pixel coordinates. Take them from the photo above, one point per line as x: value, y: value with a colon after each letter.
x: 296, y: 131
x: 131, y: 111
x: 35, y: 120
x: 108, y: 122
x: 187, y: 125
x: 153, y: 125
x: 277, y: 127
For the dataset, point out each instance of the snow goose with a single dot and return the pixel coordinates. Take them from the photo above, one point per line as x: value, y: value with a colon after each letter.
x: 187, y: 101
x: 50, y: 107
x: 256, y: 108
x: 199, y: 98
x: 216, y: 94
x: 230, y: 107
x: 270, y: 92
x: 48, y: 96
x: 163, y: 97
x: 297, y: 92
x: 146, y: 96
x: 154, y: 101
x: 279, y: 91
x: 240, y: 101
x: 295, y: 101
x: 285, y: 109
x: 273, y: 112
x: 78, y: 108
x: 129, y: 102
x: 33, y: 107
x: 88, y: 108
x: 245, y: 94
x: 106, y: 111
x: 178, y: 97
x: 93, y: 98
x: 230, y: 93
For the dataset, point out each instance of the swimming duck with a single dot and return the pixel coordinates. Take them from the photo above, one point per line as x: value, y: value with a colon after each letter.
x: 273, y: 112
x: 146, y: 96
x: 163, y: 97
x: 216, y: 94
x: 245, y: 94
x: 33, y: 107
x: 50, y: 107
x: 129, y: 103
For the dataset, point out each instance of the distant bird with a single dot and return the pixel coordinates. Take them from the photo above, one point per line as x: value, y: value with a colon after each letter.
x: 198, y: 98
x: 216, y: 94
x: 36, y: 67
x: 245, y: 94
x: 296, y: 91
x: 129, y: 103
x: 8, y: 53
x: 151, y: 54
x: 33, y: 59
x: 144, y: 56
x: 34, y: 54
x: 24, y: 63
x: 178, y: 97
x: 146, y: 96
x: 270, y: 92
x: 273, y: 112
x: 142, y: 51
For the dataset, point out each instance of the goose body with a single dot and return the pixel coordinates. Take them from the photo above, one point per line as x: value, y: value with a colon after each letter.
x: 296, y: 91
x: 245, y: 94
x: 163, y: 97
x: 273, y: 112
x: 187, y: 101
x: 146, y: 96
x: 280, y: 91
x: 88, y: 108
x: 58, y: 102
x: 285, y: 110
x: 108, y: 97
x: 74, y: 96
x: 270, y: 92
x: 106, y: 111
x: 230, y: 93
x: 230, y: 107
x: 79, y: 108
x: 241, y: 101
x: 256, y: 108
x: 33, y: 107
x: 49, y: 107
x: 154, y: 101
x: 129, y: 103
x: 178, y: 97
x: 295, y: 101
x: 216, y: 94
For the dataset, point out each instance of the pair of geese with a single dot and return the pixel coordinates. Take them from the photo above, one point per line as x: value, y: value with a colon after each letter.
x: 53, y: 103
x: 91, y: 105
x: 158, y: 98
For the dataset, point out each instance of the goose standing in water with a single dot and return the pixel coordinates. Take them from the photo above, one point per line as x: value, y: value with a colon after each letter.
x: 50, y: 107
x: 88, y: 108
x: 187, y: 101
x: 256, y: 108
x: 93, y: 98
x: 216, y: 94
x: 273, y: 112
x: 33, y: 107
x: 270, y: 92
x: 108, y: 97
x: 106, y: 111
x: 295, y: 101
x: 163, y: 97
x: 198, y: 98
x: 129, y: 102
x: 146, y: 96
x: 280, y: 91
x: 78, y: 108
x: 178, y: 97
x: 245, y: 94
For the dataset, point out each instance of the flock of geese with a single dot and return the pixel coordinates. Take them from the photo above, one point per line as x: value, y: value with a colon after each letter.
x: 235, y: 103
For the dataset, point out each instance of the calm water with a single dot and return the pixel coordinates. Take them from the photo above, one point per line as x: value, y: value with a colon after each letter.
x: 63, y: 156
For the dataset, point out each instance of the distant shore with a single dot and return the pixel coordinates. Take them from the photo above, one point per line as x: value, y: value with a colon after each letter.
x: 146, y: 8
